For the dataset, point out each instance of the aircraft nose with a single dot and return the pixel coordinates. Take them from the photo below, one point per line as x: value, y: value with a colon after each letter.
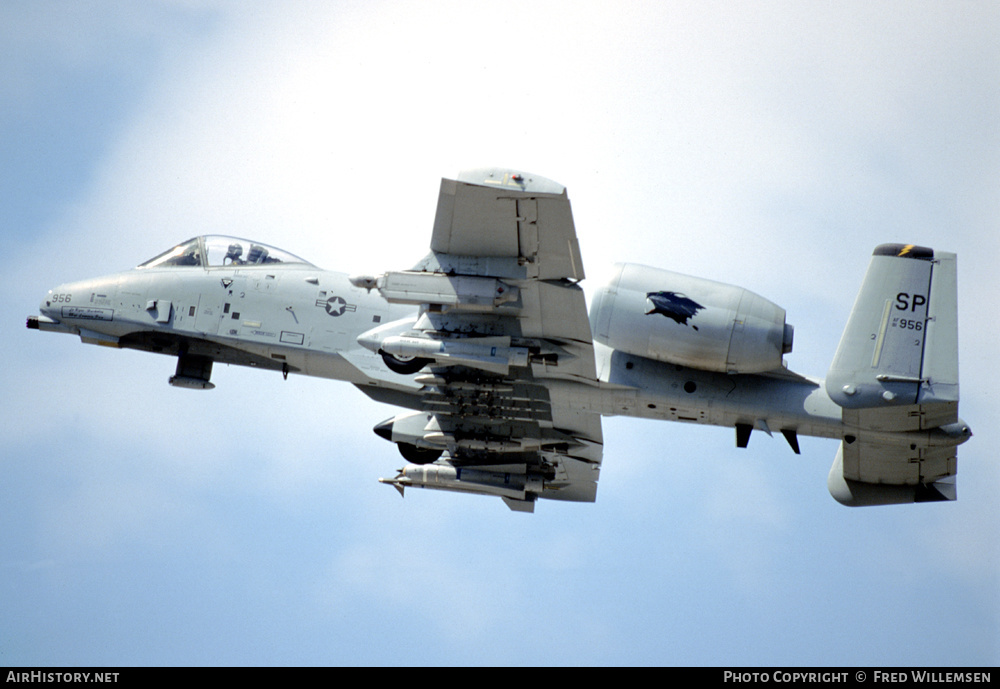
x: 90, y: 300
x: 62, y: 295
x: 48, y: 306
x: 50, y: 312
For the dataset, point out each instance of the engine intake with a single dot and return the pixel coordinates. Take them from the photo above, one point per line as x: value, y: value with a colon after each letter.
x: 680, y: 319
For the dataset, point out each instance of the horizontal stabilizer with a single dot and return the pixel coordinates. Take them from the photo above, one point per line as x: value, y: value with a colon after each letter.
x: 907, y: 481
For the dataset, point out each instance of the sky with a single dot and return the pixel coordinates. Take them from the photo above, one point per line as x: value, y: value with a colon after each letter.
x: 771, y: 145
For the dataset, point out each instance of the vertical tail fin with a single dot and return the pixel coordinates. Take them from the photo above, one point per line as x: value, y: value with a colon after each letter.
x: 895, y: 374
x: 900, y: 346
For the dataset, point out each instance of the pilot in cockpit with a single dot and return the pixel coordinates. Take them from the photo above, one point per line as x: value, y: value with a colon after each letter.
x: 258, y: 254
x: 233, y: 254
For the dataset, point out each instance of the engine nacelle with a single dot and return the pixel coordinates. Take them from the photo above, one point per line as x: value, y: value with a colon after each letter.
x: 680, y: 319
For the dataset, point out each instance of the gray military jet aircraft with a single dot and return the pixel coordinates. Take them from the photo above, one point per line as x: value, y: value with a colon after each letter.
x: 488, y: 343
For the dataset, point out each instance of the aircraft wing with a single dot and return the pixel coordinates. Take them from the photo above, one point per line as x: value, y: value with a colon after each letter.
x: 494, y: 213
x: 501, y: 338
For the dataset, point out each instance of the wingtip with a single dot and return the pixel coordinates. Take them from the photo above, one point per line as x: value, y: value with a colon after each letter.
x: 510, y: 179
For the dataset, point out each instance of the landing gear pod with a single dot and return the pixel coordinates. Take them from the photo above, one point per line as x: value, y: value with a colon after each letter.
x: 193, y: 372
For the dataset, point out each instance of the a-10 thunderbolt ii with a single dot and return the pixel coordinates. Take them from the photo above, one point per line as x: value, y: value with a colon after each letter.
x: 488, y: 344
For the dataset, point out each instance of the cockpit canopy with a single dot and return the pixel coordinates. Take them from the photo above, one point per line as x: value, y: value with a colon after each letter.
x: 216, y: 251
